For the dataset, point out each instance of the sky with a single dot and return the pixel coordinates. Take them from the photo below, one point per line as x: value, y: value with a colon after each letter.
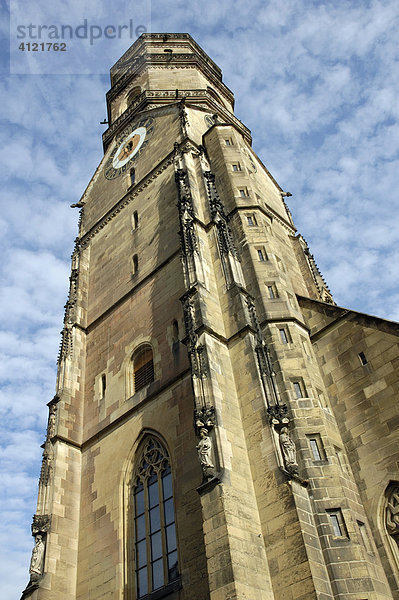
x: 317, y: 83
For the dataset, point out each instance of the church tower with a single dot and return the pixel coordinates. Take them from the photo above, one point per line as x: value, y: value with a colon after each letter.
x: 221, y: 429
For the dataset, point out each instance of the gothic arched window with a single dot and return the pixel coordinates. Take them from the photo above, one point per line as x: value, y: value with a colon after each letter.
x: 392, y: 511
x: 155, y: 547
x: 133, y: 95
x: 143, y: 367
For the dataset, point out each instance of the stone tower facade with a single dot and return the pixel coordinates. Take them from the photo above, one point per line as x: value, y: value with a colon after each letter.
x: 221, y: 429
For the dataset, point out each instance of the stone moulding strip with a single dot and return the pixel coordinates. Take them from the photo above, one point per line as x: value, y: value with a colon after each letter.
x: 241, y: 332
x: 126, y: 199
x: 165, y: 96
x: 67, y: 441
x: 107, y: 429
x: 134, y: 289
x: 331, y: 326
x: 177, y: 60
x: 124, y: 417
x: 180, y: 40
x: 268, y: 213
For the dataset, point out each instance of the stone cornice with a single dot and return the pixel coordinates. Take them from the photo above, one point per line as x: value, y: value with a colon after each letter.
x: 168, y: 61
x: 152, y: 39
x: 269, y: 212
x: 148, y: 97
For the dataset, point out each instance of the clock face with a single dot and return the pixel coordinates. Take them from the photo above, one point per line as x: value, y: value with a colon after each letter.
x: 128, y: 147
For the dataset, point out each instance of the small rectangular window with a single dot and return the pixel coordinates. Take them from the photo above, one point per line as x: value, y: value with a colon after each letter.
x: 315, y: 449
x: 362, y: 358
x: 271, y: 291
x: 337, y: 522
x: 243, y: 192
x: 299, y: 389
x: 228, y: 142
x: 251, y: 220
x: 284, y: 335
x: 236, y: 167
x: 316, y: 446
x: 262, y: 256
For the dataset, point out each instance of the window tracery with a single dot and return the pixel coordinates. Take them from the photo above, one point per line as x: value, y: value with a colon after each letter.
x: 155, y: 545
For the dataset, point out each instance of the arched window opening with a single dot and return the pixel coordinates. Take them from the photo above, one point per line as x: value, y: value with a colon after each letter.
x: 135, y: 219
x: 143, y: 367
x: 156, y: 564
x: 133, y: 95
x: 392, y: 511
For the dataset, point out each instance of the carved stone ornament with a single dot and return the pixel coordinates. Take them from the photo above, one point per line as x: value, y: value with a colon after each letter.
x: 204, y: 418
x: 188, y: 238
x: 204, y: 422
x: 40, y: 528
x: 289, y: 451
x: 47, y: 464
x: 37, y: 559
x: 69, y: 317
x: 40, y: 524
x: 204, y: 448
x: 392, y: 514
x: 278, y: 415
x: 195, y: 350
x: 225, y: 236
x: 183, y: 117
x: 263, y: 356
x: 52, y: 418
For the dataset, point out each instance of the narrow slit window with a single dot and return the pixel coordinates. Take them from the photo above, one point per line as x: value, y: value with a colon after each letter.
x: 243, y: 192
x: 132, y: 176
x: 228, y: 142
x: 135, y: 264
x: 103, y: 385
x: 236, y: 167
x: 135, y: 219
x: 362, y: 358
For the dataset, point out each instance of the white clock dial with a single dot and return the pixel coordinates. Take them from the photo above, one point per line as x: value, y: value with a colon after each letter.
x: 129, y: 147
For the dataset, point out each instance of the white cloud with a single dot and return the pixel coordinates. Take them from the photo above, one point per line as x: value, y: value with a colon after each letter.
x: 317, y: 82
